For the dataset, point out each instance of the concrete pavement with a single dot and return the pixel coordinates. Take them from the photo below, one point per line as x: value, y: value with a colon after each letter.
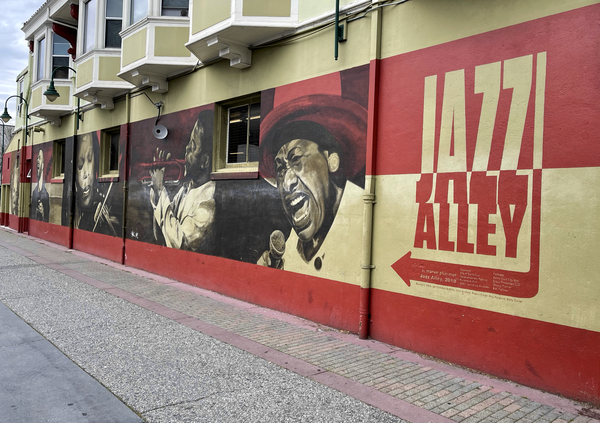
x: 176, y: 353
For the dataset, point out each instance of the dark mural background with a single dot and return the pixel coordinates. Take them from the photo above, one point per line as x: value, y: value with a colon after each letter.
x: 98, y: 200
x: 173, y: 202
x: 41, y: 174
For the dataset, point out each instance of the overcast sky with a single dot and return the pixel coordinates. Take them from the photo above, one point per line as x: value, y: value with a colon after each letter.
x: 13, y: 48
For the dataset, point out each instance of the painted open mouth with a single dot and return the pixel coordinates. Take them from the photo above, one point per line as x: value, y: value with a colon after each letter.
x: 298, y: 207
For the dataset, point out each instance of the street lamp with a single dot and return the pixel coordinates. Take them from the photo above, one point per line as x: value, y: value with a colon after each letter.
x: 6, y: 117
x: 51, y: 93
x: 2, y: 156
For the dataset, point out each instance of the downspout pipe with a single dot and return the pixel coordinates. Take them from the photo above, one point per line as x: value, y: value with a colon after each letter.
x: 72, y: 181
x: 126, y: 173
x: 369, y: 193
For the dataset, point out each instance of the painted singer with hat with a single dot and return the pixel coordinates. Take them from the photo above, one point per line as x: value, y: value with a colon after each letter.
x: 311, y: 149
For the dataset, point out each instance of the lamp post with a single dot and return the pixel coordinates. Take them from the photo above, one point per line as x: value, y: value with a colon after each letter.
x: 6, y: 117
x: 51, y: 93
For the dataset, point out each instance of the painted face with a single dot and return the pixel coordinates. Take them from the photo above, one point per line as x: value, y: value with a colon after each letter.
x: 193, y: 151
x: 40, y: 165
x: 303, y: 184
x: 85, y: 170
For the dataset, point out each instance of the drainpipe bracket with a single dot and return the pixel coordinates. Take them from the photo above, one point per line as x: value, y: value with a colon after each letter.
x: 367, y: 266
x: 369, y: 198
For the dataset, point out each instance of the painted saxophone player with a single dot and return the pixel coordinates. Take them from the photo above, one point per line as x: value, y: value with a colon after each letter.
x: 312, y: 148
x: 187, y: 221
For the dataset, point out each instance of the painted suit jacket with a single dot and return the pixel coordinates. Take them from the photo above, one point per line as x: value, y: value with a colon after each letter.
x: 339, y: 256
x: 187, y: 222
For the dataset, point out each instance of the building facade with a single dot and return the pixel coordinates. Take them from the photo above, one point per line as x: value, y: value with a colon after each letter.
x: 420, y: 178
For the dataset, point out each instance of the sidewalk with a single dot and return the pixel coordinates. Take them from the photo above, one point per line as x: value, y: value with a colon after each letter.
x: 159, y: 360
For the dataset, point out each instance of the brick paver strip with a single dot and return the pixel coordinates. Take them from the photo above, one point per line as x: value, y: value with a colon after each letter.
x: 372, y: 372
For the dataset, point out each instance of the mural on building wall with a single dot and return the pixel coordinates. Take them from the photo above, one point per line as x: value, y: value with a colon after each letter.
x: 311, y: 172
x: 40, y: 199
x: 98, y: 203
x: 14, y: 183
x: 312, y: 147
x: 187, y: 220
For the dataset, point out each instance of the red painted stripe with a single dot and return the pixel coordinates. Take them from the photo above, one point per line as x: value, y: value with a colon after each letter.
x: 321, y: 300
x: 50, y: 232
x: 108, y: 247
x: 571, y: 92
x: 23, y: 224
x: 13, y: 222
x: 555, y: 358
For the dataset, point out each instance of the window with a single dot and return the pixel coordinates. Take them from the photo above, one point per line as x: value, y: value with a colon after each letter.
x: 41, y: 54
x: 20, y: 100
x: 114, y: 23
x: 109, y: 155
x: 58, y: 161
x: 238, y: 134
x: 60, y: 56
x: 174, y: 8
x: 90, y: 25
x: 139, y: 10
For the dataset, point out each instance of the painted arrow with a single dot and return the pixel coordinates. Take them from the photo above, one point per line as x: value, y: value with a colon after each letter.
x: 497, y: 281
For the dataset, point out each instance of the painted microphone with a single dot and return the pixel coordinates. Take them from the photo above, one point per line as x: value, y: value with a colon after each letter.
x: 276, y: 249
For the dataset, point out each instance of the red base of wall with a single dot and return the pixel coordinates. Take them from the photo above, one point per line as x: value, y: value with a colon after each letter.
x: 108, y: 247
x: 13, y: 222
x: 546, y: 356
x: 50, y: 232
x: 320, y: 300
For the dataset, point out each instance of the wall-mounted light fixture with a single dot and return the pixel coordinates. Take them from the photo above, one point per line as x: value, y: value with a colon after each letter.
x: 159, y: 131
x: 51, y: 93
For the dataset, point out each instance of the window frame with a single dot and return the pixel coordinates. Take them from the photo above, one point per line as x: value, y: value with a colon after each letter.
x: 163, y: 8
x: 52, y: 56
x: 88, y: 45
x: 40, y: 58
x: 132, y: 11
x: 105, y: 152
x: 58, y: 151
x: 221, y: 137
x: 107, y: 18
x: 21, y: 88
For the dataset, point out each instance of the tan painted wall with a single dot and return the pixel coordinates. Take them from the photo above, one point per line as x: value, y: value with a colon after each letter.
x: 267, y: 8
x: 419, y: 24
x: 53, y: 132
x: 308, y: 9
x: 97, y: 118
x: 108, y: 69
x: 134, y: 47
x: 271, y: 67
x: 36, y: 98
x: 170, y: 41
x: 65, y: 94
x: 85, y: 72
x: 207, y: 13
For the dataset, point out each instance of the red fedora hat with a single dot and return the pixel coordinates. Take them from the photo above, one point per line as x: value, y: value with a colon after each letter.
x: 344, y: 119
